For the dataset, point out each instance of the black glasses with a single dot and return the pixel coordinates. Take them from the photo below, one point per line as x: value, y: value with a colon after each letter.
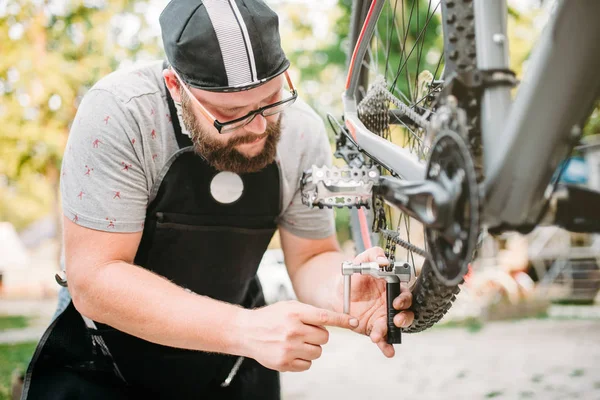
x: 266, y: 111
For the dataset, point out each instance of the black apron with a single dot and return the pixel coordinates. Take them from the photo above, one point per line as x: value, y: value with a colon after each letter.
x: 204, y: 246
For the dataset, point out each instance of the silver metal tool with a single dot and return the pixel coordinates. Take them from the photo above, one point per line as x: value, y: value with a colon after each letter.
x: 394, y: 273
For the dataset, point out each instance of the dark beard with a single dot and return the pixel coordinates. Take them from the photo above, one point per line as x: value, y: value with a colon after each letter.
x: 224, y: 157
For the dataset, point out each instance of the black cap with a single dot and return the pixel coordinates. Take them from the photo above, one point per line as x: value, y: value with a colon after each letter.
x: 223, y: 45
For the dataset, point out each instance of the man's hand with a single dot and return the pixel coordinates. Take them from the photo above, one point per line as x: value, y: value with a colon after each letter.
x: 288, y: 336
x: 368, y: 303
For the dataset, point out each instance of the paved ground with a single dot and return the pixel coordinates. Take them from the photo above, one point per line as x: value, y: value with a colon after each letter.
x: 41, y: 308
x: 40, y: 311
x: 552, y: 358
x: 526, y: 359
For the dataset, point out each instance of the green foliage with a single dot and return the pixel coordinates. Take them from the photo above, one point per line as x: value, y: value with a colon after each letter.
x: 593, y: 125
x: 54, y: 53
x: 12, y: 322
x: 342, y: 224
x: 577, y: 373
x: 471, y: 324
x: 13, y: 357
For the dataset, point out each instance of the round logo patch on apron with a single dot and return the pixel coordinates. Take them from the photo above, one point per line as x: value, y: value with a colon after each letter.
x: 226, y: 187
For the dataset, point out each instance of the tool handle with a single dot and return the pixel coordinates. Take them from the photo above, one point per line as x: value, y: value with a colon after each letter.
x: 394, y: 334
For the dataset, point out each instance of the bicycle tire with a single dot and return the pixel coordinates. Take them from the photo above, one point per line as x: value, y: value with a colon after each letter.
x: 431, y: 298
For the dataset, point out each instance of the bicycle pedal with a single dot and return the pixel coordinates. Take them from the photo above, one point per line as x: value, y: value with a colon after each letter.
x: 338, y: 186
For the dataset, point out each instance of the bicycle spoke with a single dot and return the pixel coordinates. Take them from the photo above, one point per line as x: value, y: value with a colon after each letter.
x: 431, y: 87
x: 418, y: 38
x: 420, y: 52
x: 399, y: 92
x: 408, y: 128
x: 403, y: 47
x: 420, y: 35
x: 437, y: 68
x: 418, y: 55
x: 389, y: 36
x: 370, y: 55
x: 387, y: 48
x: 407, y: 226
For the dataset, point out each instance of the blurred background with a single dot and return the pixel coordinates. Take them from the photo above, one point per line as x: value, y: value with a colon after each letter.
x: 526, y: 324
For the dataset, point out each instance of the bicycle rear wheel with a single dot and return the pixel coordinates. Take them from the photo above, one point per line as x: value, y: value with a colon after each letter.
x: 416, y: 44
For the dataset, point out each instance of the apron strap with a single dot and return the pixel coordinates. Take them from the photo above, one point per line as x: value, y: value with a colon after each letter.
x: 98, y: 340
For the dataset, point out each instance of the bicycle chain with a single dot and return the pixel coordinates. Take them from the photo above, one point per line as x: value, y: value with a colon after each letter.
x: 396, y: 239
x: 392, y: 238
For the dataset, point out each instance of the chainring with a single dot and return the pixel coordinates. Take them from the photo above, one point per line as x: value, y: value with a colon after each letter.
x: 451, y: 250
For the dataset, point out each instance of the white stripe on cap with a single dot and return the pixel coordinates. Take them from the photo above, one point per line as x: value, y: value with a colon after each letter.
x: 234, y: 41
x: 246, y: 38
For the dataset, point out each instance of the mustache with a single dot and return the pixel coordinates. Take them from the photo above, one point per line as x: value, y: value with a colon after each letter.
x: 245, y: 139
x: 249, y: 138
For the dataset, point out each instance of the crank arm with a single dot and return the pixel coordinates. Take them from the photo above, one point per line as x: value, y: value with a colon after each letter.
x: 430, y: 202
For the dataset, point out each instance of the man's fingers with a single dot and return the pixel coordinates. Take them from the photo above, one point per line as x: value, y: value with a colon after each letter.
x: 403, y: 301
x: 323, y: 317
x: 404, y: 287
x: 379, y: 330
x: 316, y: 335
x: 378, y: 337
x: 299, y: 365
x: 372, y: 254
x: 404, y: 319
x: 386, y: 348
x: 311, y: 352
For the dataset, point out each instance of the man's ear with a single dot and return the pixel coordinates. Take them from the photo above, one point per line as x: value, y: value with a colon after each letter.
x: 172, y: 84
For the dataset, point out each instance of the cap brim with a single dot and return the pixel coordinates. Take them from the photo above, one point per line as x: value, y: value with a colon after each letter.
x: 240, y: 88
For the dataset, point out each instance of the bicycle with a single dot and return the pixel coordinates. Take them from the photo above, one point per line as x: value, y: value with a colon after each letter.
x: 450, y: 149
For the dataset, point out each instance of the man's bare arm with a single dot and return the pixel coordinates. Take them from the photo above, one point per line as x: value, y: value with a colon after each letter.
x: 106, y: 287
x: 314, y: 266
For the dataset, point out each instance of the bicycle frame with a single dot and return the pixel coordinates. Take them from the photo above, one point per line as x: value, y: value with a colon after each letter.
x: 524, y: 139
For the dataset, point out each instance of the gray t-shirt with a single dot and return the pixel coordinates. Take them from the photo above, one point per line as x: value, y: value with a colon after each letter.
x: 122, y: 139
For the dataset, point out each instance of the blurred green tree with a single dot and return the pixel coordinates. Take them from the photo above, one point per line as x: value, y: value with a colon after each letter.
x: 53, y: 53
